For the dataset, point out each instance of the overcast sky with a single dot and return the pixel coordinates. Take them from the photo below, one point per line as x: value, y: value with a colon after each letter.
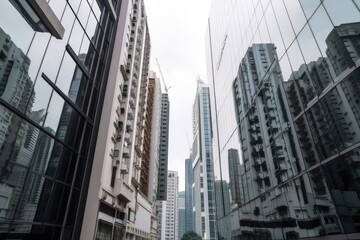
x: 177, y: 32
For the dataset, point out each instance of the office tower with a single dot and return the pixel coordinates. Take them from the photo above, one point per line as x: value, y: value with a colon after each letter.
x: 234, y: 176
x: 181, y: 210
x: 54, y: 64
x: 189, y: 212
x: 222, y: 198
x: 168, y: 213
x: 202, y: 165
x: 163, y: 150
x: 290, y: 69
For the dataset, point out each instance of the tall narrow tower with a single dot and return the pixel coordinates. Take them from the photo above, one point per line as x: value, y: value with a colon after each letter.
x: 202, y: 165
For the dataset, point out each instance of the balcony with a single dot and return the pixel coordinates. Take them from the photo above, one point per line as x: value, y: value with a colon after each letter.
x: 123, y: 191
x: 124, y: 169
x: 126, y: 152
x: 132, y: 104
x: 133, y: 93
x: 130, y: 114
x: 128, y: 138
x: 129, y: 126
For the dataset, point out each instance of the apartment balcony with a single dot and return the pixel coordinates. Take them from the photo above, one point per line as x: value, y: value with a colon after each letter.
x: 129, y: 126
x: 116, y: 137
x: 133, y: 93
x: 124, y: 168
x: 330, y: 228
x: 123, y: 191
x: 126, y: 152
x: 134, y: 81
x: 132, y: 103
x: 128, y: 138
x: 130, y: 114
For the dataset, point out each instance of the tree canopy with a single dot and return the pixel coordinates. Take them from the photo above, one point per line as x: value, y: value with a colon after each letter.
x: 191, y: 236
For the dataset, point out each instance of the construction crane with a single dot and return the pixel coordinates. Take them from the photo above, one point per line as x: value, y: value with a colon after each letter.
x: 162, y: 76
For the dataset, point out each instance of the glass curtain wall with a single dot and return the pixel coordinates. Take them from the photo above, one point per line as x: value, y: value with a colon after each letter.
x: 284, y: 81
x: 50, y: 90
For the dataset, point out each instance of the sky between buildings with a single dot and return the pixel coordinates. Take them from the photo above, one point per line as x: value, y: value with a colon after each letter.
x: 177, y: 32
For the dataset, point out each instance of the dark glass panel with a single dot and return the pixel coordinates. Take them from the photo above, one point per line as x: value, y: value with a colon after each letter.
x: 73, y: 208
x: 64, y: 163
x: 12, y: 182
x: 343, y: 178
x: 32, y: 231
x: 321, y: 132
x: 342, y: 113
x: 104, y: 230
x: 343, y: 47
x: 67, y: 122
x: 71, y: 80
x: 12, y: 132
x: 56, y: 204
x: 306, y: 142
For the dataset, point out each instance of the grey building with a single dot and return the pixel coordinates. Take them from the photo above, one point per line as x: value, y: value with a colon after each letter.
x: 189, y: 212
x: 54, y: 64
x: 235, y: 176
x: 290, y: 68
x: 202, y: 165
x: 163, y: 149
x: 182, y: 214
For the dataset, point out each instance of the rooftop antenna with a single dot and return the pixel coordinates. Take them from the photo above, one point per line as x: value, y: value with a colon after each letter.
x: 162, y: 76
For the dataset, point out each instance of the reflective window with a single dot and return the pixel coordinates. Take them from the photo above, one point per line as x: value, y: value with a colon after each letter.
x: 309, y: 6
x: 342, y: 12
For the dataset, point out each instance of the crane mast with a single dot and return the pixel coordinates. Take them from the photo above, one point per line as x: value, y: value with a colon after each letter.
x: 162, y: 76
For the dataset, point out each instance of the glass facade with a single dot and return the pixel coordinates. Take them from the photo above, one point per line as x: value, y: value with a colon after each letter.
x: 284, y: 81
x: 203, y: 185
x: 50, y: 99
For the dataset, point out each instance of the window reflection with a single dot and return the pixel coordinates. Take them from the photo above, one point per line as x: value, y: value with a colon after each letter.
x: 298, y: 122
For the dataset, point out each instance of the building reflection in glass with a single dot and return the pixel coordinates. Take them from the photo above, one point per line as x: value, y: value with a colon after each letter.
x: 25, y: 195
x: 299, y: 175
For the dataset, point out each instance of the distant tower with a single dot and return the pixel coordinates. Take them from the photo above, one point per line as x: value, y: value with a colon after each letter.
x: 202, y: 165
x: 189, y: 214
x: 182, y: 214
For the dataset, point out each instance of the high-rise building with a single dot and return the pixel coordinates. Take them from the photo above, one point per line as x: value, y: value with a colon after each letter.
x: 189, y: 211
x: 282, y: 77
x: 222, y: 198
x: 54, y: 67
x: 181, y: 210
x: 163, y: 149
x: 234, y: 176
x: 168, y: 213
x: 121, y: 200
x: 202, y: 165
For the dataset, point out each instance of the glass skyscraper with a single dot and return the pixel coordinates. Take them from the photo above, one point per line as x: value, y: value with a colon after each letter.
x: 54, y: 58
x: 284, y: 91
x: 203, y: 196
